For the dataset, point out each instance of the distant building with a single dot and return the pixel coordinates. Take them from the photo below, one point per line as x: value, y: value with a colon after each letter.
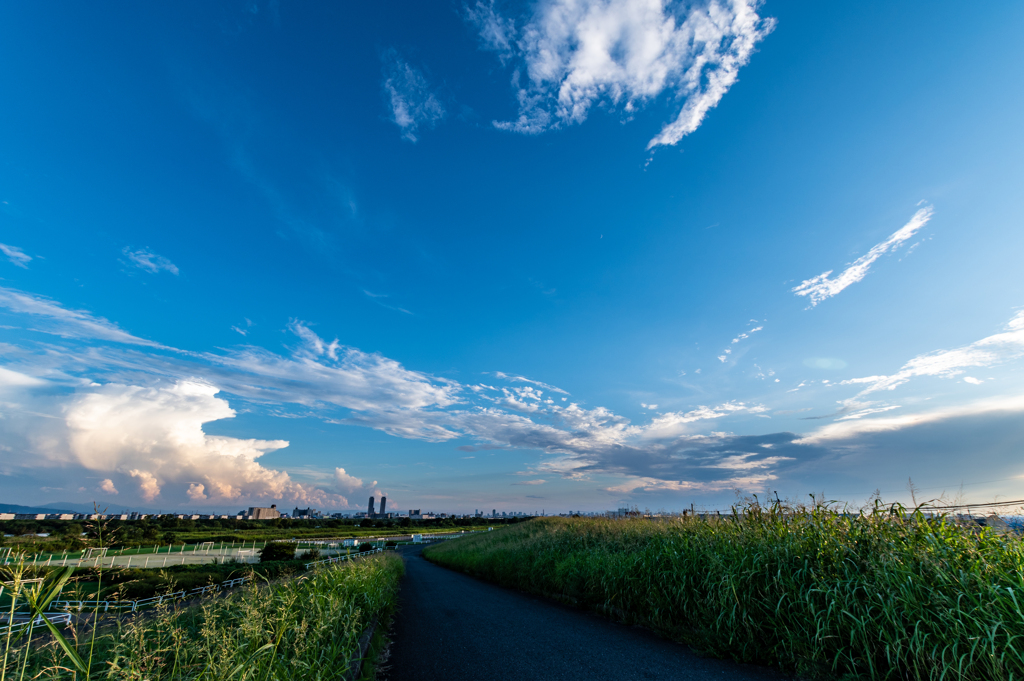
x: 259, y: 513
x: 383, y: 505
x: 369, y: 509
x: 306, y: 513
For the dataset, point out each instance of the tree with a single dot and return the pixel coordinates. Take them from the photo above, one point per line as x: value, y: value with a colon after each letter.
x: 277, y: 550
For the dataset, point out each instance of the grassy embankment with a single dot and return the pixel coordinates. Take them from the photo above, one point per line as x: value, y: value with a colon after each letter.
x: 305, y: 628
x: 886, y: 595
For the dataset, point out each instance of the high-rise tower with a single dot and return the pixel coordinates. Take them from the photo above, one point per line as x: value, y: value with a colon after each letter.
x: 370, y: 509
x: 383, y: 504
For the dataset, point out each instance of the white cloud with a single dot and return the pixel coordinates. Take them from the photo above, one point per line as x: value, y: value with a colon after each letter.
x: 347, y: 482
x: 17, y: 256
x: 989, y: 351
x: 972, y: 380
x: 65, y: 322
x: 11, y: 378
x: 530, y: 482
x: 155, y: 437
x: 497, y: 33
x: 147, y: 260
x: 144, y: 427
x: 245, y: 331
x: 377, y: 298
x: 108, y: 486
x: 575, y: 54
x: 820, y: 288
x: 867, y: 412
x: 522, y: 379
x: 849, y: 430
x: 743, y: 336
x: 410, y: 98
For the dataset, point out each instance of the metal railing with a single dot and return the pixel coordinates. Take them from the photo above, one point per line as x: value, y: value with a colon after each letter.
x: 18, y: 626
x: 340, y: 558
x: 133, y: 606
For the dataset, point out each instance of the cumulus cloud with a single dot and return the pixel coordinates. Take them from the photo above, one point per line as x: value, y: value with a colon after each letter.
x: 17, y: 256
x: 108, y: 486
x: 412, y: 101
x: 989, y: 351
x: 148, y: 261
x: 821, y: 287
x: 155, y: 437
x: 570, y: 55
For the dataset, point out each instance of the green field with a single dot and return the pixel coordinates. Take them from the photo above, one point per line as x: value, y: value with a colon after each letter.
x: 70, y: 538
x: 306, y: 627
x: 887, y: 595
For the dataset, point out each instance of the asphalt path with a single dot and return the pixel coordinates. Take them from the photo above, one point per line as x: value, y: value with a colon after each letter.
x: 452, y: 627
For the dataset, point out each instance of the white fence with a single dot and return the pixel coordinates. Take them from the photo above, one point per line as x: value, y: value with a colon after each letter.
x: 23, y: 622
x: 133, y: 606
x: 340, y: 558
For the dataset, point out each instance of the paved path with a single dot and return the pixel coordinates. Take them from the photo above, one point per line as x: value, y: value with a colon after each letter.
x: 451, y: 627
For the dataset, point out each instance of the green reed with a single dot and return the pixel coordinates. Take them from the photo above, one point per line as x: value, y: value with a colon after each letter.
x: 882, y: 595
x: 304, y: 628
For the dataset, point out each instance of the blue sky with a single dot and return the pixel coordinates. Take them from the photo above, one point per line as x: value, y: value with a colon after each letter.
x: 553, y: 255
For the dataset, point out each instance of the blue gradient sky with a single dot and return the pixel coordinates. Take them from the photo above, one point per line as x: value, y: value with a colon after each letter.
x: 458, y: 254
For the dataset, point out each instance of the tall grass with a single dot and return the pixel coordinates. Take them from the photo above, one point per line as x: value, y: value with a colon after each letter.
x: 305, y: 628
x: 884, y: 595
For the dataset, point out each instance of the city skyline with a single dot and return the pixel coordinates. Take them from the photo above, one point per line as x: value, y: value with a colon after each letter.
x: 553, y: 255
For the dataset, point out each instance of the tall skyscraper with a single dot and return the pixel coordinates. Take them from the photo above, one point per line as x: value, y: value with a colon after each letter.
x: 383, y: 504
x: 370, y: 509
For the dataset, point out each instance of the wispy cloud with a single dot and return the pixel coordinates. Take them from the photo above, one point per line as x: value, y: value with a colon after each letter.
x: 570, y: 55
x: 243, y: 331
x: 165, y: 398
x: 820, y: 288
x: 522, y: 379
x: 380, y: 299
x: 412, y: 101
x: 743, y: 336
x: 61, y: 321
x: 854, y: 428
x: 989, y: 351
x: 17, y: 256
x: 147, y: 260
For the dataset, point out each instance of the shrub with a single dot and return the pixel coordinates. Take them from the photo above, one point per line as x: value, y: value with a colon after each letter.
x: 277, y: 550
x: 365, y: 546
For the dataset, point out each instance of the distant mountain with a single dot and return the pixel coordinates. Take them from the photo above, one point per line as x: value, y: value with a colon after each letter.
x: 49, y: 508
